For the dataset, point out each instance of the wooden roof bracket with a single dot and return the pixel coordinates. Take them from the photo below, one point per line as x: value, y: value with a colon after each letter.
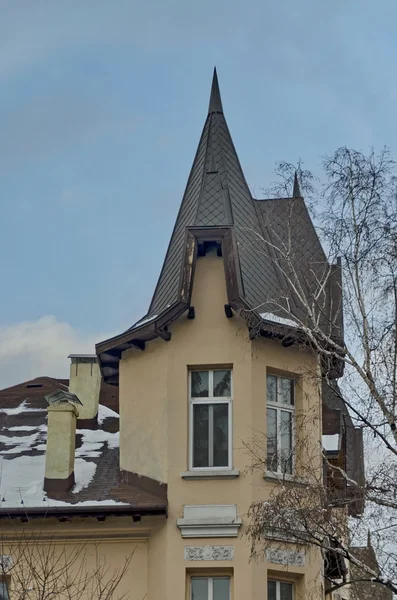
x: 164, y: 334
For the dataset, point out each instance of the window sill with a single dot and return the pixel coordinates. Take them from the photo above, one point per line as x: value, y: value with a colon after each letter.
x: 211, y: 474
x: 283, y: 478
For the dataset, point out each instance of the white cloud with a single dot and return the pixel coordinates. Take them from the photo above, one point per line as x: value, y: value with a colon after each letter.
x: 41, y: 347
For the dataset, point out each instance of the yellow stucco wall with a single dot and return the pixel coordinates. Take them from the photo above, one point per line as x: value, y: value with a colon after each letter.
x: 154, y: 412
x: 154, y: 416
x: 44, y: 558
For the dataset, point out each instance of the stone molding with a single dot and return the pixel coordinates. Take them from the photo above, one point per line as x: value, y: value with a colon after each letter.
x: 209, y: 552
x: 285, y: 557
x: 211, y: 474
x: 209, y: 520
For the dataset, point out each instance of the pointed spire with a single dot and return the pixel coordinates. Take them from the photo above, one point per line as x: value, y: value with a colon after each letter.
x: 212, y: 168
x: 216, y: 195
x: 296, y: 191
x: 215, y: 98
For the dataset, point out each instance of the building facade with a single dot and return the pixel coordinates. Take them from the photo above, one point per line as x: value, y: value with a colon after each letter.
x: 212, y: 371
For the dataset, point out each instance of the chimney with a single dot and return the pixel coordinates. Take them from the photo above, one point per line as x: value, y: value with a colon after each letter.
x: 61, y: 441
x: 85, y: 383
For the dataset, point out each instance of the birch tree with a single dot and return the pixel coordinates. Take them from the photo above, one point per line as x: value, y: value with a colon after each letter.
x: 32, y: 568
x: 354, y: 206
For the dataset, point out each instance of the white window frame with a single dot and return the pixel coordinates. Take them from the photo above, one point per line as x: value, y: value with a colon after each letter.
x: 281, y: 407
x: 210, y: 585
x: 210, y: 399
x: 278, y: 591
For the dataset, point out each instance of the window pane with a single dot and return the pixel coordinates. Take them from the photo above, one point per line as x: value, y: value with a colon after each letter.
x: 271, y: 388
x: 222, y: 381
x: 271, y: 590
x: 199, y: 588
x: 221, y: 435
x: 272, y: 439
x: 221, y: 588
x: 285, y: 591
x: 199, y: 384
x: 286, y: 441
x: 286, y: 390
x: 4, y: 590
x: 200, y: 435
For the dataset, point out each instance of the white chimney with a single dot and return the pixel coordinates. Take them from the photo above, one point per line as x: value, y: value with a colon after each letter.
x: 61, y: 441
x: 85, y: 383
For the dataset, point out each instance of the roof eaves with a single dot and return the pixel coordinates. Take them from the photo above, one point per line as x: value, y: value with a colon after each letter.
x: 146, y: 331
x: 137, y: 338
x: 83, y: 511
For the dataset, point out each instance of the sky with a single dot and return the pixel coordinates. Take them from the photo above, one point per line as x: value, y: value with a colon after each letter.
x: 101, y: 108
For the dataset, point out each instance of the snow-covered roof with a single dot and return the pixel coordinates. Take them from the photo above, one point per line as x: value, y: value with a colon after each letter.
x: 23, y: 434
x: 22, y: 460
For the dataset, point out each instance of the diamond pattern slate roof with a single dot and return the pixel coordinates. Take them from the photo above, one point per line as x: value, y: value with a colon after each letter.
x: 217, y: 194
x: 288, y: 227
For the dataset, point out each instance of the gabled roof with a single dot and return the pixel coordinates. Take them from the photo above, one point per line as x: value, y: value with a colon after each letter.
x: 99, y: 487
x: 218, y: 205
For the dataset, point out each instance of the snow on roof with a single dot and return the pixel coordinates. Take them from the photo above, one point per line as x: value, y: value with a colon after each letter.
x: 22, y: 462
x: 145, y: 320
x: 331, y: 442
x: 22, y: 408
x: 104, y: 413
x: 268, y: 316
x: 23, y: 428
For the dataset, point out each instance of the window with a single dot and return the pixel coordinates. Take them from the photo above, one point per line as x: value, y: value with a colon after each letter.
x: 4, y: 583
x: 210, y: 419
x: 280, y: 420
x: 279, y: 590
x: 210, y: 588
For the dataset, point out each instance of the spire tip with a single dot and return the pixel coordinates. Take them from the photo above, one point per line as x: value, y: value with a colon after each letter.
x: 296, y: 193
x: 215, y: 98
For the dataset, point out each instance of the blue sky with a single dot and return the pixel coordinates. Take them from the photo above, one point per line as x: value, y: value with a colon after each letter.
x: 101, y: 108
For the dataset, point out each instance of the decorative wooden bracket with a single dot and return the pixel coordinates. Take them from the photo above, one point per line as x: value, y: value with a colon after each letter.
x: 228, y: 311
x: 164, y: 334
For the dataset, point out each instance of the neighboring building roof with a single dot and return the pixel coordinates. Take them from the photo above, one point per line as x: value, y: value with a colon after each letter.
x: 99, y: 484
x: 367, y: 590
x: 217, y: 203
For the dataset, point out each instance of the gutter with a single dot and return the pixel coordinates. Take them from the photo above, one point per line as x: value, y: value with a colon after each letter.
x: 99, y: 512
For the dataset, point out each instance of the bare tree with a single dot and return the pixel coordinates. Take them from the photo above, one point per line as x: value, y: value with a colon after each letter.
x: 356, y: 217
x: 32, y: 568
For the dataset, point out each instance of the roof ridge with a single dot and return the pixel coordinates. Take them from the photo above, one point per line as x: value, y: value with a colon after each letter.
x: 27, y: 381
